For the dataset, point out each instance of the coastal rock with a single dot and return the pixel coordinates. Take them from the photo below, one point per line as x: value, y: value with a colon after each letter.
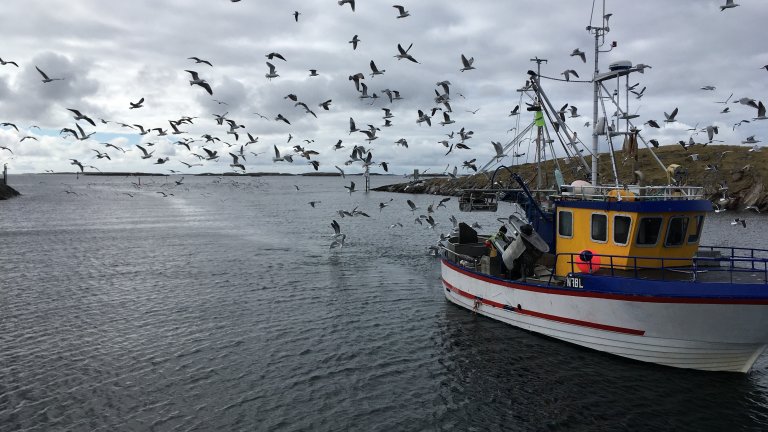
x: 7, y: 192
x: 731, y: 175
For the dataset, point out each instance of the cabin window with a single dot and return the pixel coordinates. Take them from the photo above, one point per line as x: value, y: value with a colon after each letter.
x: 699, y: 221
x: 599, y: 227
x: 565, y: 224
x: 676, y: 231
x: 621, y: 226
x: 648, y: 231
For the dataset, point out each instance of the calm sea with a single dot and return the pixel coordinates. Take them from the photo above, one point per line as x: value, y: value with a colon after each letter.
x: 221, y: 307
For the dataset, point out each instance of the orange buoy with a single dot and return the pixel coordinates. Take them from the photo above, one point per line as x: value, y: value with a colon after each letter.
x: 587, y: 261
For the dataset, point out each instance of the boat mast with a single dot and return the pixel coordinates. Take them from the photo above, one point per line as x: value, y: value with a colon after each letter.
x: 599, y: 33
x: 539, y: 140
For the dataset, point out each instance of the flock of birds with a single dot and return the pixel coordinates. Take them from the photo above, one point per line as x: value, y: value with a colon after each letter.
x: 232, y: 140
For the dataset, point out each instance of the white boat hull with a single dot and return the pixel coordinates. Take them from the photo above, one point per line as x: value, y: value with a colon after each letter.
x: 707, y: 336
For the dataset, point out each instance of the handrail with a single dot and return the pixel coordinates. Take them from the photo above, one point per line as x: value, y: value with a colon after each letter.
x: 474, y: 260
x: 640, y: 193
x: 667, y: 265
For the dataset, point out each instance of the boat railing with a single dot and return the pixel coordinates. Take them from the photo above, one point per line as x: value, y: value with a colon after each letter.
x: 466, y: 260
x: 629, y: 193
x: 487, y: 199
x: 730, y: 264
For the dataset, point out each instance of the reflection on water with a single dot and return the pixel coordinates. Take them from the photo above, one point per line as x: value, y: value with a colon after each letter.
x: 220, y: 307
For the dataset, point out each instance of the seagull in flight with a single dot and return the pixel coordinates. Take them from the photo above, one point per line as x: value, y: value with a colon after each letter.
x: 278, y: 158
x: 403, y: 53
x: 138, y: 104
x: 728, y: 5
x: 338, y: 236
x: 499, y: 150
x: 76, y: 162
x: 402, y: 12
x: 80, y: 116
x: 375, y: 70
x: 272, y: 72
x: 467, y: 63
x: 670, y: 118
x: 272, y: 55
x: 201, y: 82
x: 3, y: 63
x: 235, y: 163
x: 143, y: 150
x: 760, y: 112
x: 199, y: 60
x: 45, y: 77
x: 580, y: 53
x: 568, y: 72
x: 354, y: 42
x: 351, y: 3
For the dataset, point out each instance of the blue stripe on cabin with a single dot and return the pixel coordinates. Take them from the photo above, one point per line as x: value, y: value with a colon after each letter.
x: 640, y: 206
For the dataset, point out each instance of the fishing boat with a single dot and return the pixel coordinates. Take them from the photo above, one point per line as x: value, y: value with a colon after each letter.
x: 614, y: 267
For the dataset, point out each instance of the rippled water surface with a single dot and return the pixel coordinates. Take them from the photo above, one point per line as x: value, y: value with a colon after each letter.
x: 221, y: 307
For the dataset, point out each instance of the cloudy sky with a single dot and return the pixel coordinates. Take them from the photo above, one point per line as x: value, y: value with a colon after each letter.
x: 112, y: 53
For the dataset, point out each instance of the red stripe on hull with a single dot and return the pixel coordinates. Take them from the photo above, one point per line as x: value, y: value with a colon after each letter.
x: 608, y: 296
x: 546, y: 316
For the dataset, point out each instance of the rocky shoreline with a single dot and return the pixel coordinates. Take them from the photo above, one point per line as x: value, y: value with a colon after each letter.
x: 732, y: 176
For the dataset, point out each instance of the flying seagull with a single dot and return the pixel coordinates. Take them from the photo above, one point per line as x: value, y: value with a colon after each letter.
x: 135, y: 105
x: 354, y: 42
x: 201, y: 82
x: 272, y: 55
x: 499, y: 150
x: 338, y: 236
x: 143, y: 150
x: 467, y: 63
x: 402, y: 12
x: 568, y: 72
x: 670, y: 118
x: 278, y: 158
x: 351, y: 3
x: 80, y: 116
x: 199, y: 60
x: 76, y: 162
x: 235, y: 163
x: 760, y: 112
x: 728, y: 5
x: 45, y: 77
x: 272, y: 72
x: 403, y: 53
x: 375, y: 70
x: 580, y: 53
x: 3, y: 63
